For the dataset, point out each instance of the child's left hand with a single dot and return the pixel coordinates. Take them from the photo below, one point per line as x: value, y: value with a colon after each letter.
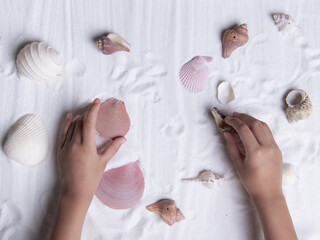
x: 80, y: 166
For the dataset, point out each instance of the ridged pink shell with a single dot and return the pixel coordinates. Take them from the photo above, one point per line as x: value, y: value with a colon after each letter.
x: 121, y: 188
x: 113, y: 120
x: 194, y: 75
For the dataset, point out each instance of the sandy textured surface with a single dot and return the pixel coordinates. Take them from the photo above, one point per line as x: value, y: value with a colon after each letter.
x: 172, y: 133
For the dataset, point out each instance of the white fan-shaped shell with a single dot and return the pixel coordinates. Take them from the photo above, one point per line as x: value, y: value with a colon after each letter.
x: 289, y: 175
x: 39, y: 62
x: 225, y: 92
x: 27, y: 141
x: 194, y: 75
x: 285, y: 24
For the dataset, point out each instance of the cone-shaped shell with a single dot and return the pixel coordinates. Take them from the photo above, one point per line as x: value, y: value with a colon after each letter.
x: 285, y: 24
x: 234, y: 38
x: 38, y: 61
x: 219, y: 119
x: 111, y: 43
x: 27, y: 140
x: 299, y: 105
x: 206, y: 177
x: 121, y: 188
x: 194, y: 75
x: 167, y: 210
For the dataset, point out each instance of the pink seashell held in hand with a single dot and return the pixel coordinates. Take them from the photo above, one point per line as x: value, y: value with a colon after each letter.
x: 194, y: 75
x: 122, y: 187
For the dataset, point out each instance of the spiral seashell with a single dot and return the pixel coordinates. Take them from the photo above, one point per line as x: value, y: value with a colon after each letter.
x: 39, y: 62
x: 299, y: 105
x: 219, y: 119
x: 206, y: 177
x: 194, y: 75
x: 167, y: 210
x: 225, y: 92
x: 111, y: 43
x: 285, y: 24
x: 234, y: 38
x: 122, y: 187
x: 27, y: 141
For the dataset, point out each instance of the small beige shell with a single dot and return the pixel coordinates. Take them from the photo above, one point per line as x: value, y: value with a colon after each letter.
x: 111, y: 43
x: 219, y: 119
x: 167, y: 210
x: 299, y: 105
x: 285, y: 24
x: 225, y: 92
x: 234, y: 38
x: 206, y: 177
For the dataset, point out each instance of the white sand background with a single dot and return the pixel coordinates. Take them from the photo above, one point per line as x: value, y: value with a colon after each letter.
x: 172, y: 132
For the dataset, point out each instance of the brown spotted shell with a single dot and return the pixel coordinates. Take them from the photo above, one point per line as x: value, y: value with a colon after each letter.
x: 234, y: 38
x: 111, y: 43
x: 167, y: 210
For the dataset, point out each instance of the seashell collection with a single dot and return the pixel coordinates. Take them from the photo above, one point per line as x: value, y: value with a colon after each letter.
x: 40, y: 62
x: 194, y: 75
x: 299, y: 105
x: 167, y: 210
x: 111, y: 43
x: 285, y: 24
x: 234, y: 38
x: 205, y: 177
x: 27, y: 141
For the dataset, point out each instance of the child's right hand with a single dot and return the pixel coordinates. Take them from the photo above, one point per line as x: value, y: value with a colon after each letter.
x: 260, y: 170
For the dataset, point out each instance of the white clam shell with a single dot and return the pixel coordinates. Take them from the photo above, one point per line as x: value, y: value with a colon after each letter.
x: 285, y: 24
x: 299, y: 105
x: 27, y: 141
x: 225, y: 92
x: 289, y: 175
x: 40, y: 62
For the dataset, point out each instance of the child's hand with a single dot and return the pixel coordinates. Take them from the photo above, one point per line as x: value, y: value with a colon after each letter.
x: 260, y: 170
x: 80, y: 166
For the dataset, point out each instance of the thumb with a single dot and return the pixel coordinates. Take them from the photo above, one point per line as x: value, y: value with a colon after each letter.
x: 234, y: 150
x: 113, y: 148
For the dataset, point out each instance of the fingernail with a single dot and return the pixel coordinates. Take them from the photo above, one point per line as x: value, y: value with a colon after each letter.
x: 226, y: 135
x: 69, y: 115
x: 123, y: 140
x: 227, y: 118
x: 96, y: 101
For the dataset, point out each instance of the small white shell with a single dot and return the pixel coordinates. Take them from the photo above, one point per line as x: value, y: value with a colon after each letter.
x: 27, y: 141
x: 194, y: 75
x: 299, y: 105
x: 206, y: 177
x: 39, y: 62
x: 289, y: 175
x: 285, y: 24
x: 225, y: 92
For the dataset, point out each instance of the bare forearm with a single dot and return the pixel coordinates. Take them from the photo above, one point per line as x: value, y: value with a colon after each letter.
x: 275, y: 218
x: 70, y: 217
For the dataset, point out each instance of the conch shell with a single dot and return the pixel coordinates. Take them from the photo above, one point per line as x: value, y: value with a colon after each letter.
x: 206, y: 177
x: 111, y: 43
x: 285, y: 23
x: 234, y: 38
x: 219, y: 119
x: 167, y: 210
x: 299, y: 105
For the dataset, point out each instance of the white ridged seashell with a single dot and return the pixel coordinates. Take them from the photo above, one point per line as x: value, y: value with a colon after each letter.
x: 27, y: 141
x: 39, y: 62
x: 206, y: 177
x: 225, y: 92
x: 299, y: 105
x: 285, y: 24
x: 289, y: 175
x: 194, y: 75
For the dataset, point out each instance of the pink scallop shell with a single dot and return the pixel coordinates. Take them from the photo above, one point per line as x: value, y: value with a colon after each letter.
x: 194, y: 75
x: 122, y: 187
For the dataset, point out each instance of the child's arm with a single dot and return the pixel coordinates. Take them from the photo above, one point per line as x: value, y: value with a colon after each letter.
x: 260, y: 172
x: 80, y: 169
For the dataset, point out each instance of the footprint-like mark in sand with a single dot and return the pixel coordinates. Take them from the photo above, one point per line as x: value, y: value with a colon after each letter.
x: 174, y: 127
x: 10, y: 217
x: 74, y: 68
